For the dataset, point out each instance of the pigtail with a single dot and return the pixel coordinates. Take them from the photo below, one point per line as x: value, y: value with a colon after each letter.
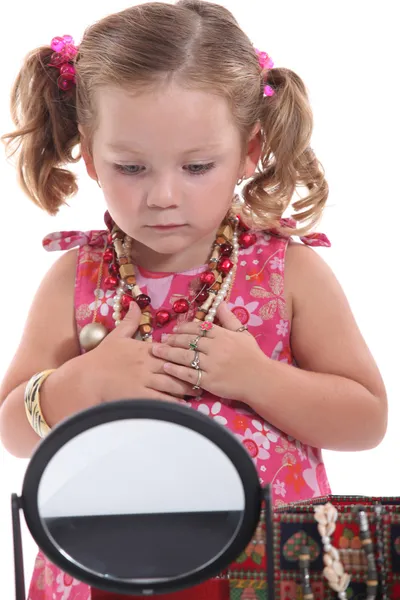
x: 46, y: 132
x: 287, y: 161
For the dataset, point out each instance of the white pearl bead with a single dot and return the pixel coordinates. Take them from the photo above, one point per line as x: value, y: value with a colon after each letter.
x: 327, y: 547
x: 116, y: 316
x: 212, y: 312
x: 117, y: 323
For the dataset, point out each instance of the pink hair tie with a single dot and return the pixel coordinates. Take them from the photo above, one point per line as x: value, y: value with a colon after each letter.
x: 64, y: 53
x: 266, y: 63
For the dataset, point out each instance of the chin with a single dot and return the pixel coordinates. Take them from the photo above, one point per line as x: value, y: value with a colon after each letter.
x: 166, y: 245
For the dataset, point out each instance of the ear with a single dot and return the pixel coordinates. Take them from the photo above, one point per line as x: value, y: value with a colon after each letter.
x: 86, y: 155
x: 253, y: 153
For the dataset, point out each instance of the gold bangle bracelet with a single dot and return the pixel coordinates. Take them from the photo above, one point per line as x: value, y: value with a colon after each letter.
x: 32, y: 403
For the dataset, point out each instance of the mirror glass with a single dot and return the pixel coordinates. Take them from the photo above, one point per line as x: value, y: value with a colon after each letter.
x: 141, y: 500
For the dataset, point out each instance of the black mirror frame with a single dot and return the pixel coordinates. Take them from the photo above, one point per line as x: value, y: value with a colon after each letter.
x: 139, y: 409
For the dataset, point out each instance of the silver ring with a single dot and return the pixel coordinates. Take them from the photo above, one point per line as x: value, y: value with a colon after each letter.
x: 242, y: 328
x: 196, y: 361
x: 198, y: 382
x: 193, y: 343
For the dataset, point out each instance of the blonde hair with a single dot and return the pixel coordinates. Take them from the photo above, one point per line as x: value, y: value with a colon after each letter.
x: 199, y: 45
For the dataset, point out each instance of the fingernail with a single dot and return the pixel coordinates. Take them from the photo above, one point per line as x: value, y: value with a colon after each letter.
x: 175, y: 329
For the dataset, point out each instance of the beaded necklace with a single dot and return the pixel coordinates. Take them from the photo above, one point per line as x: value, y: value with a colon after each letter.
x: 215, y: 283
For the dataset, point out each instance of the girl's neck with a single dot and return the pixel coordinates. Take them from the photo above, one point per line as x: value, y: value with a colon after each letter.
x: 191, y: 257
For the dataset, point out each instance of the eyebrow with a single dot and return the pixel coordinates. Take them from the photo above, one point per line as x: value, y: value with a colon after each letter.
x: 124, y: 147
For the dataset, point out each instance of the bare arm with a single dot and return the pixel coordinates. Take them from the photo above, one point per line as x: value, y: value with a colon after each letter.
x: 336, y: 399
x: 49, y: 341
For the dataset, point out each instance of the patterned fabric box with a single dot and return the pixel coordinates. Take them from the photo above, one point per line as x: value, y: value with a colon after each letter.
x: 293, y: 525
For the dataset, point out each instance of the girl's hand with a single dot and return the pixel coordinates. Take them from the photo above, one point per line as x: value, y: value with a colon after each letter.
x: 229, y: 360
x: 126, y: 368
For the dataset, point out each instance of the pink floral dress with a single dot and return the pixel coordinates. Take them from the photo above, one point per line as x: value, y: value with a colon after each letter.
x: 294, y: 470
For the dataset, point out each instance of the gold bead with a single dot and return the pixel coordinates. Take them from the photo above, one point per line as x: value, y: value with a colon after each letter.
x: 126, y: 271
x: 145, y: 329
x: 92, y: 335
x: 200, y: 315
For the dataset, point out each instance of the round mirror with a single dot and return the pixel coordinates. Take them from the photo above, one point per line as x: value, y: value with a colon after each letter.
x: 141, y: 496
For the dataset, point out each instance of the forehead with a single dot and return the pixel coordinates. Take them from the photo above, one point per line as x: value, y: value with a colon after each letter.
x: 173, y: 116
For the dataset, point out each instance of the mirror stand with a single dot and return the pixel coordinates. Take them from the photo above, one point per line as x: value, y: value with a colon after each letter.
x: 269, y: 542
x: 18, y: 554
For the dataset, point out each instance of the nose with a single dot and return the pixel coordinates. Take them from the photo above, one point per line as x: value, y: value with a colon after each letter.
x: 162, y: 193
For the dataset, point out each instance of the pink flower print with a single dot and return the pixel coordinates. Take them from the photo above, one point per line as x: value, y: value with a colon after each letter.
x: 282, y: 328
x: 103, y: 301
x: 300, y: 450
x: 255, y: 444
x: 270, y: 435
x: 214, y: 412
x: 274, y: 298
x: 322, y: 479
x: 52, y: 242
x: 279, y: 488
x: 244, y: 312
x: 65, y: 584
x: 277, y: 263
x: 311, y: 475
x: 281, y: 353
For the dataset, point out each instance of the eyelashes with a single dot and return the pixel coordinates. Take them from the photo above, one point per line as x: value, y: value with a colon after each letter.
x: 200, y: 169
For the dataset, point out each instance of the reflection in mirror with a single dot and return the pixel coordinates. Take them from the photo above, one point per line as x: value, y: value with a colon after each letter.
x: 141, y: 500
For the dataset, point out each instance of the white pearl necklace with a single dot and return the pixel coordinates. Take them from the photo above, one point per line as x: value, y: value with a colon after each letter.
x: 220, y: 297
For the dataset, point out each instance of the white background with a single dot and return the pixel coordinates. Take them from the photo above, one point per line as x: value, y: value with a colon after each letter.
x: 348, y: 55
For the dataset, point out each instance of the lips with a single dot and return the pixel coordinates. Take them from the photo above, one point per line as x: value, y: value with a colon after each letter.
x: 170, y: 226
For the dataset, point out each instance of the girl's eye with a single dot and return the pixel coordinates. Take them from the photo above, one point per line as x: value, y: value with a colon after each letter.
x: 193, y: 169
x: 201, y: 169
x: 126, y: 169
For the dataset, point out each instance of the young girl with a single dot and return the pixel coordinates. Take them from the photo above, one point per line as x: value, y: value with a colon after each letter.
x: 173, y: 106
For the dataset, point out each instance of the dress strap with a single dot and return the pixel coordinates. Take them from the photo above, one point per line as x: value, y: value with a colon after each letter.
x: 65, y: 240
x: 311, y: 239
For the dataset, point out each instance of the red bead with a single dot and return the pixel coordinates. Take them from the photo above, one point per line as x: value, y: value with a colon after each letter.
x: 247, y: 239
x: 181, y: 306
x: 113, y: 269
x: 108, y: 255
x: 111, y: 282
x: 225, y: 265
x: 162, y: 317
x: 207, y: 278
x: 226, y: 249
x: 110, y: 238
x: 125, y: 301
x: 143, y: 300
x: 202, y: 296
